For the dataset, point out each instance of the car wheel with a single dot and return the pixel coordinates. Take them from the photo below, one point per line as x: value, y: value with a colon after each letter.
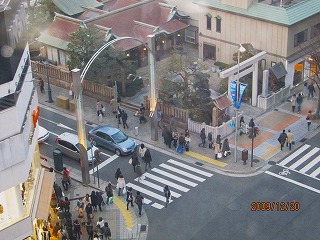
x: 117, y: 151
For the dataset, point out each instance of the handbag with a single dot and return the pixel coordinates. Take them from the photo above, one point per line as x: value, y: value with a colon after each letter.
x: 111, y: 199
x: 293, y: 142
x: 130, y: 161
x: 124, y: 191
x: 219, y: 155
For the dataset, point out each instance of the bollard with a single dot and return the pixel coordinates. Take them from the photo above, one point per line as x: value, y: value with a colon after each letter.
x: 136, y: 131
x: 100, y: 118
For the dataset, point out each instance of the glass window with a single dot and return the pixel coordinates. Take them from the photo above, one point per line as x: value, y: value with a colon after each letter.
x: 315, y: 30
x: 119, y: 137
x: 209, y: 21
x: 218, y: 24
x: 300, y: 37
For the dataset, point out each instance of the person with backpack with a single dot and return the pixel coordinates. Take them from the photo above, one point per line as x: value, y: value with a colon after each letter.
x: 167, y: 194
x: 109, y: 192
x: 139, y: 202
x: 129, y: 197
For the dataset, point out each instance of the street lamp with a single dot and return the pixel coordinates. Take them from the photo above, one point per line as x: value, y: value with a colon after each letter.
x: 240, y: 50
x: 46, y: 64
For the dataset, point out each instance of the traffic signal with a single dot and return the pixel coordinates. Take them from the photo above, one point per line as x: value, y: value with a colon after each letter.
x: 253, y: 132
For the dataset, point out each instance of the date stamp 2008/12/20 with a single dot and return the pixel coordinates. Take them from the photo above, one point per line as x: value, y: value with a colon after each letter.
x: 275, y: 206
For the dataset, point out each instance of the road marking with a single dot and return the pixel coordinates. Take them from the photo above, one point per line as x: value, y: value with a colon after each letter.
x: 146, y: 200
x: 125, y: 213
x: 147, y: 192
x: 310, y: 164
x: 190, y: 168
x: 104, y: 163
x: 157, y: 205
x: 182, y: 172
x: 304, y: 158
x: 294, y: 155
x: 166, y: 182
x: 53, y: 134
x: 157, y: 187
x: 106, y: 154
x: 293, y: 181
x: 206, y: 159
x: 315, y: 173
x: 64, y: 126
x: 179, y: 179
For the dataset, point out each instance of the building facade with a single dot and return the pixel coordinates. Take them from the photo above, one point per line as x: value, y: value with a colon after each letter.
x: 23, y: 204
x: 282, y: 31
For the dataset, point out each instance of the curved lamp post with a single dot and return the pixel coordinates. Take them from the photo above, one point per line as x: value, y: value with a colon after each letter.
x: 77, y: 89
x: 50, y: 100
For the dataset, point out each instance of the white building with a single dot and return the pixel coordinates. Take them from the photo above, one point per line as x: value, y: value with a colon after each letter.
x: 25, y: 188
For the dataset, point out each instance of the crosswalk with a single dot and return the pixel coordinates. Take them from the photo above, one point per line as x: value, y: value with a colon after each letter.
x: 180, y: 177
x: 305, y: 160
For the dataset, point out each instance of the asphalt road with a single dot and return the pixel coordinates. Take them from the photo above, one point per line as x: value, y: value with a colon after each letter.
x: 209, y: 205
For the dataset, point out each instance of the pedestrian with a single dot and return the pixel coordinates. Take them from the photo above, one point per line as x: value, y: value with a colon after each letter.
x: 65, y: 179
x: 129, y: 198
x: 305, y: 89
x: 243, y: 128
x: 124, y: 117
x: 89, y: 228
x: 251, y: 123
x: 203, y: 137
x: 293, y: 102
x: 186, y: 132
x: 57, y: 192
x: 98, y: 232
x: 100, y: 222
x: 311, y: 90
x: 159, y: 118
x: 216, y: 149
x: 309, y: 118
x: 89, y: 211
x: 175, y: 137
x: 81, y: 215
x: 147, y: 158
x: 182, y: 140
x: 218, y: 140
x: 93, y: 198
x: 167, y: 136
x: 118, y: 173
x: 135, y: 160
x: 66, y: 204
x: 142, y: 151
x: 107, y: 231
x: 96, y: 236
x: 167, y: 194
x: 121, y: 184
x: 187, y: 142
x: 139, y: 202
x: 77, y: 228
x: 210, y: 140
x: 86, y: 200
x: 41, y: 85
x: 282, y: 139
x: 119, y: 115
x: 113, y: 104
x: 290, y: 139
x: 80, y: 203
x: 99, y: 200
x: 299, y: 102
x: 226, y: 148
x: 138, y: 172
x: 142, y: 111
x: 109, y: 192
x: 99, y: 107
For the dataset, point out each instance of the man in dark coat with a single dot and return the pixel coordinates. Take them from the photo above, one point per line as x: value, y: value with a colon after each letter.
x: 124, y: 117
x: 203, y: 137
x: 147, y: 158
x: 311, y: 90
x: 282, y: 139
x: 167, y: 136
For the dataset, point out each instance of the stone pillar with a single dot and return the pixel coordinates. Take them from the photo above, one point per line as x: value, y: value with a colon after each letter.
x: 265, y: 82
x: 215, y: 112
x: 255, y: 84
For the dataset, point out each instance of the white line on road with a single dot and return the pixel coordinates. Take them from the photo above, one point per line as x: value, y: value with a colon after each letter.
x: 182, y: 172
x: 304, y: 158
x: 190, y: 168
x: 315, y: 173
x: 157, y: 206
x: 179, y: 179
x: 147, y: 192
x: 310, y: 164
x: 104, y: 163
x: 293, y: 155
x: 166, y: 182
x: 293, y: 181
x: 64, y: 126
x: 157, y: 187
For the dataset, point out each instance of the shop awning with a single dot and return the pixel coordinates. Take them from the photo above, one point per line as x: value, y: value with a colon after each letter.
x: 278, y: 70
x: 45, y: 195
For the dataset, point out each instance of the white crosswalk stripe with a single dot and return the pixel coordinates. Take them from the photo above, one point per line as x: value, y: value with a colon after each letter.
x: 294, y: 155
x: 310, y: 164
x: 178, y: 176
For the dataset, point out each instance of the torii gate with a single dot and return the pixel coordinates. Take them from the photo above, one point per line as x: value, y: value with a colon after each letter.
x: 252, y: 63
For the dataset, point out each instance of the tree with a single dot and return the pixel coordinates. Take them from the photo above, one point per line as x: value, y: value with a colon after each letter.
x: 312, y: 53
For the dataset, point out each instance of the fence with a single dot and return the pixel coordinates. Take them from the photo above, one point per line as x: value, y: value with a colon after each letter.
x: 275, y: 98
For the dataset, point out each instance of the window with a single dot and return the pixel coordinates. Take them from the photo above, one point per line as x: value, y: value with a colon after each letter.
x: 209, y: 16
x: 191, y: 35
x: 68, y: 145
x: 218, y: 24
x: 315, y: 30
x: 300, y: 37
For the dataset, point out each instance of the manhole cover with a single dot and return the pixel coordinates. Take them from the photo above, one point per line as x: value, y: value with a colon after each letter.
x: 89, y: 123
x: 276, y: 109
x: 234, y: 206
x: 199, y: 163
x: 272, y: 163
x: 143, y: 228
x: 303, y: 139
x: 255, y: 160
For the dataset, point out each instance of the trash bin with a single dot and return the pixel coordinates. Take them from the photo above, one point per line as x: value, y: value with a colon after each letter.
x: 58, y: 161
x: 136, y: 131
x: 244, y: 156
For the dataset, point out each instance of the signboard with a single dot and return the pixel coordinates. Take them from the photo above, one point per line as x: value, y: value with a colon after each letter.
x: 233, y: 90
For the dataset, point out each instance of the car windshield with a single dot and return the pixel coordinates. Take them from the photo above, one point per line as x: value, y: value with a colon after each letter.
x: 119, y: 137
x: 88, y: 145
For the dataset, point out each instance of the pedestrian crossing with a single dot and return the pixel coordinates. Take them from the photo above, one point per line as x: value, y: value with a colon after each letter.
x: 180, y: 178
x: 305, y: 160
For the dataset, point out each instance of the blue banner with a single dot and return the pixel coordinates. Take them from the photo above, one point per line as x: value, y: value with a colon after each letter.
x: 241, y: 91
x: 233, y: 91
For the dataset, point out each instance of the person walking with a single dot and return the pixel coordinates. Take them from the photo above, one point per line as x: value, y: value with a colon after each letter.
x: 210, y: 140
x: 282, y: 139
x: 139, y: 202
x: 121, y: 184
x: 147, y: 159
x: 129, y: 198
x: 142, y: 111
x: 135, y: 160
x: 107, y: 231
x: 139, y: 172
x: 118, y: 173
x: 216, y: 149
x: 311, y: 90
x: 218, y: 140
x: 142, y: 151
x: 293, y: 102
x: 203, y: 137
x: 175, y: 137
x: 41, y: 85
x: 93, y: 198
x: 57, y: 192
x: 226, y: 148
x: 290, y: 139
x: 109, y: 192
x: 87, y: 200
x: 167, y: 136
x: 299, y: 102
x: 187, y: 140
x: 65, y: 180
x: 305, y: 90
x: 124, y: 117
x: 182, y: 140
x: 100, y: 222
x: 81, y: 215
x: 167, y: 194
x: 99, y: 200
x: 89, y: 211
x: 89, y: 228
x: 99, y: 107
x: 309, y: 118
x: 77, y: 228
x: 243, y: 129
x: 119, y: 115
x: 113, y: 104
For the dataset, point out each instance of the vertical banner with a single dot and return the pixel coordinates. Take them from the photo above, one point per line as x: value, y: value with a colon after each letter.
x: 241, y: 91
x: 233, y: 91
